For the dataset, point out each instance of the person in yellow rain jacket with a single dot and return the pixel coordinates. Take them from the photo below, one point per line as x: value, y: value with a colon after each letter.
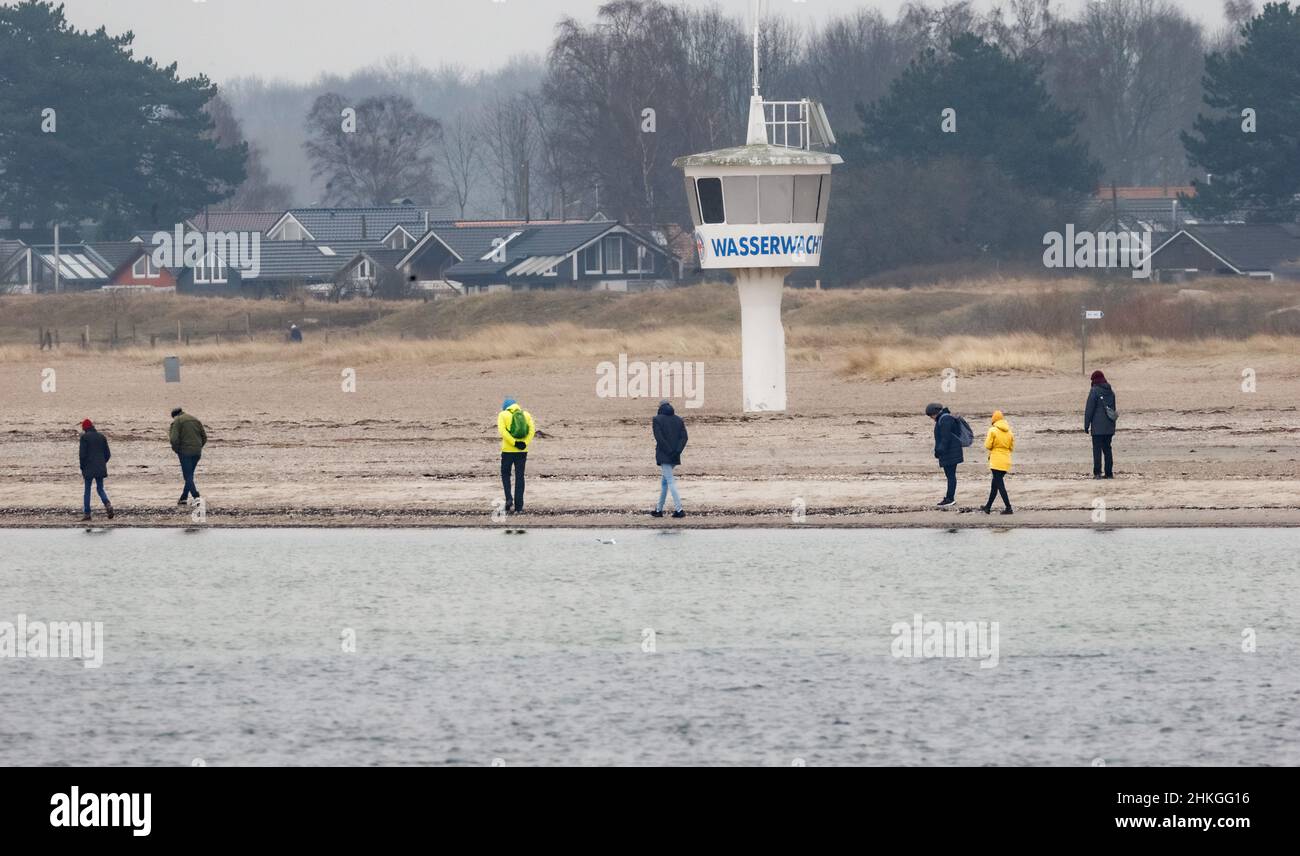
x: 1000, y: 442
x: 515, y: 439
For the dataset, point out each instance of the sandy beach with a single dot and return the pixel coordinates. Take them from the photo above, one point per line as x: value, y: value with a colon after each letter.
x: 415, y: 445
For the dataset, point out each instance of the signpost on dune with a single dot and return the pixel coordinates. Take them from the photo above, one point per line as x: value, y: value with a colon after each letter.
x: 1088, y: 315
x: 759, y: 211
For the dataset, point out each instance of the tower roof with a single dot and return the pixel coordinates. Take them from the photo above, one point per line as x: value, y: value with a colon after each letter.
x: 758, y: 154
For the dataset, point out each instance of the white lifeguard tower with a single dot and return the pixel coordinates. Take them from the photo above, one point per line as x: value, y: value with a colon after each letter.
x: 759, y: 211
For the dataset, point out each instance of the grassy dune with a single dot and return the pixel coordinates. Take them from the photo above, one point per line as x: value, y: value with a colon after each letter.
x: 1004, y: 324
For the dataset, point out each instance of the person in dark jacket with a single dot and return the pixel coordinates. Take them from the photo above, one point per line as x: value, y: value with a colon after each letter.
x: 670, y: 441
x: 188, y: 439
x: 1098, y: 422
x: 94, y: 455
x: 947, y: 448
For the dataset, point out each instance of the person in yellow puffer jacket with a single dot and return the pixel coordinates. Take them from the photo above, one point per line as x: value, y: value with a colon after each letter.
x: 514, y: 452
x: 1000, y: 442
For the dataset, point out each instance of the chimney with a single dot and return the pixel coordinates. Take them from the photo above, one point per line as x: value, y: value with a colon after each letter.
x: 363, y: 227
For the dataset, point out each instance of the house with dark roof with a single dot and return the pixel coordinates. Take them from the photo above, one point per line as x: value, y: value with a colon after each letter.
x: 133, y: 266
x: 1136, y: 209
x: 79, y: 268
x: 390, y: 225
x: 16, y: 278
x: 602, y: 255
x: 1267, y: 250
x: 234, y: 221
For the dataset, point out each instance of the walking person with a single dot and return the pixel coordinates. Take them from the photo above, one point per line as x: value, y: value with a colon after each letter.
x: 188, y: 439
x: 1001, y: 443
x: 94, y: 454
x: 1099, y: 416
x: 517, y: 429
x: 670, y: 441
x: 947, y: 448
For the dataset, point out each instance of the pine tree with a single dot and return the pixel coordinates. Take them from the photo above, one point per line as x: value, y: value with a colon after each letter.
x: 1250, y: 143
x: 88, y: 131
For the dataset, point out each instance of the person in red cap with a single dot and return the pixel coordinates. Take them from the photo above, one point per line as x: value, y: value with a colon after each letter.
x: 94, y: 456
x: 1099, y: 416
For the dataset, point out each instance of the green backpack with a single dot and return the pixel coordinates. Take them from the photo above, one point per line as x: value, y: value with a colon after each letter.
x: 518, y: 424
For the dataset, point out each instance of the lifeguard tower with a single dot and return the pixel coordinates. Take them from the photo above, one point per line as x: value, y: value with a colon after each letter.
x: 759, y: 211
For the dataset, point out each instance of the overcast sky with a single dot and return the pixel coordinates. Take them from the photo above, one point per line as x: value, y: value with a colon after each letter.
x: 298, y: 39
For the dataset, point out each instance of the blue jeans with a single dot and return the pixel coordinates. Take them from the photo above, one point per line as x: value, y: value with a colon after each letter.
x: 99, y: 487
x: 188, y: 463
x: 950, y: 470
x: 667, y: 483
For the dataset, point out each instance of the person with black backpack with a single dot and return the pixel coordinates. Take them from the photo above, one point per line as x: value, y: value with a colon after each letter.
x: 1099, y: 417
x: 516, y: 427
x: 951, y: 433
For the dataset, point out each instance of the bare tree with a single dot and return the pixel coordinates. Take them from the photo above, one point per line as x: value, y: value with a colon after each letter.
x: 381, y: 150
x: 1133, y: 67
x: 459, y: 156
x: 258, y: 192
x: 510, y: 142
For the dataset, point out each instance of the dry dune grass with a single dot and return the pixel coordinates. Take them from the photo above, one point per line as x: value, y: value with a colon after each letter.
x: 1010, y: 323
x: 891, y: 360
x: 505, y: 341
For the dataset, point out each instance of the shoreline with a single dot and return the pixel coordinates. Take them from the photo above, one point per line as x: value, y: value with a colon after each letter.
x: 963, y: 518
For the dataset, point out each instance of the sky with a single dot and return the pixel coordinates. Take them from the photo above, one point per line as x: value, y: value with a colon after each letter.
x: 299, y: 39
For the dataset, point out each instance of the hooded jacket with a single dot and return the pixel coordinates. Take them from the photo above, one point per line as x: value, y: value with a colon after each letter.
x: 504, y: 418
x: 670, y: 435
x: 94, y: 454
x: 947, y: 448
x: 1094, y: 412
x: 1001, y: 443
x: 187, y: 436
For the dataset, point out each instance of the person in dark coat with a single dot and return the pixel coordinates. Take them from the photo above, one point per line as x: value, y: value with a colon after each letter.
x: 1099, y: 423
x: 94, y: 455
x: 188, y: 437
x: 670, y: 441
x: 947, y: 448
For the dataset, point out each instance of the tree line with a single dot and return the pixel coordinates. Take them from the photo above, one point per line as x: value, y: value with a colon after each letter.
x: 964, y: 132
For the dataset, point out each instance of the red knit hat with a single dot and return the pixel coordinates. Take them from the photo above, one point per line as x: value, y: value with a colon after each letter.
x: 86, y: 425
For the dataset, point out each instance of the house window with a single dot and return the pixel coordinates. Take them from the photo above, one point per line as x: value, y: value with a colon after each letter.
x: 643, y: 260
x: 291, y: 232
x: 591, y: 259
x: 366, y: 269
x: 210, y: 269
x: 144, y: 268
x: 614, y: 254
x: 399, y: 241
x: 710, y: 199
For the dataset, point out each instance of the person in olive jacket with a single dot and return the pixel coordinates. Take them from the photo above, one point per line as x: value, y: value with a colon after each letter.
x: 670, y: 441
x: 188, y: 439
x: 94, y: 455
x: 1098, y: 421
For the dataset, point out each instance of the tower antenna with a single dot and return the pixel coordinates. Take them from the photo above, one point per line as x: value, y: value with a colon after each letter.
x: 757, y: 12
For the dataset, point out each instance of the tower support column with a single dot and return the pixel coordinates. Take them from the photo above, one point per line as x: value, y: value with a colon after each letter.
x: 762, y: 338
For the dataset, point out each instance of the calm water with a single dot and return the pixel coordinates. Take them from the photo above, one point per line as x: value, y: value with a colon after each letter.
x: 769, y: 646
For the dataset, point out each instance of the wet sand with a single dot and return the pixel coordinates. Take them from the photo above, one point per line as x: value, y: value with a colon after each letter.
x: 415, y: 445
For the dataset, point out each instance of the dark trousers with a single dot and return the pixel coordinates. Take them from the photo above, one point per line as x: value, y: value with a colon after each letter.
x: 999, y: 487
x: 188, y: 463
x: 1100, y: 449
x: 98, y: 481
x: 950, y: 470
x: 517, y: 461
